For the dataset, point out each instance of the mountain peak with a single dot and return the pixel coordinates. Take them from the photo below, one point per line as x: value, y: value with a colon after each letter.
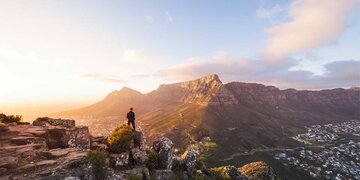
x: 125, y: 91
x: 210, y: 78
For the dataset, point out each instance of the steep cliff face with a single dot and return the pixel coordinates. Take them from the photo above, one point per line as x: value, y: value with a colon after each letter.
x: 319, y: 106
x: 199, y: 91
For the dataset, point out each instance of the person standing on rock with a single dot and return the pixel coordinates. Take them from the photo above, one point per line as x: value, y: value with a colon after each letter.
x: 131, y: 118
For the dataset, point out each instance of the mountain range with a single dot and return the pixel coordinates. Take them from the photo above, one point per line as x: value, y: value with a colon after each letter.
x: 236, y: 115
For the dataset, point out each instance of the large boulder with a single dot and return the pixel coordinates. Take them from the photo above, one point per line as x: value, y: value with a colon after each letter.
x: 138, y: 155
x: 190, y: 157
x: 258, y: 170
x: 78, y: 137
x: 55, y: 138
x: 120, y: 161
x: 164, y: 147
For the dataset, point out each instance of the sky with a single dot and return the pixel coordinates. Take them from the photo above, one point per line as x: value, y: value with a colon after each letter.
x: 57, y: 55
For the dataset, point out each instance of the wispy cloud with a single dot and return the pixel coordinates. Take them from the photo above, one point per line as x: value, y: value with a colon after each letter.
x: 313, y: 24
x: 104, y: 78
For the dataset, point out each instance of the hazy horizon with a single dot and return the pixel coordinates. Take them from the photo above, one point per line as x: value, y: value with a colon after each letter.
x: 61, y: 55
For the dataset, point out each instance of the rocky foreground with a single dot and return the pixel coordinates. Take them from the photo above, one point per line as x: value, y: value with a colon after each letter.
x: 57, y: 149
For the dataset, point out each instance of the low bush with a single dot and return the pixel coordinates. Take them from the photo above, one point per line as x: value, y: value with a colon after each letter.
x: 10, y: 118
x: 153, y: 159
x: 120, y: 139
x: 97, y: 159
x: 134, y: 177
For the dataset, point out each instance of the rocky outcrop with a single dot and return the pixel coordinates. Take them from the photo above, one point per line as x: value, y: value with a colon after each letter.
x: 54, y: 122
x: 35, y: 152
x: 258, y: 170
x: 59, y: 152
x: 164, y: 147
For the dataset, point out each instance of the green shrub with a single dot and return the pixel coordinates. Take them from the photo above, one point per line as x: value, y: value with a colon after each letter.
x: 209, y: 145
x: 134, y: 177
x: 219, y: 173
x: 10, y: 118
x: 153, y: 159
x: 120, y: 139
x: 41, y: 119
x: 97, y: 159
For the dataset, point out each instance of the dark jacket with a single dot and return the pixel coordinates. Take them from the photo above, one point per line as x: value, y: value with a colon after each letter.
x: 130, y: 116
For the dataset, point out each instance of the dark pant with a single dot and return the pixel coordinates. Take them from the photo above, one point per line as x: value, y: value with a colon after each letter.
x: 132, y: 123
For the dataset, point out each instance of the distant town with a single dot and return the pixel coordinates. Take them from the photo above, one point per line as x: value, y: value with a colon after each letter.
x: 330, y: 151
x: 100, y: 126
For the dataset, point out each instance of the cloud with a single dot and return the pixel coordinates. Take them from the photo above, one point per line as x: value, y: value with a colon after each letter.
x: 133, y: 56
x: 313, y: 24
x: 103, y: 78
x: 269, y: 13
x: 169, y: 18
x: 338, y: 74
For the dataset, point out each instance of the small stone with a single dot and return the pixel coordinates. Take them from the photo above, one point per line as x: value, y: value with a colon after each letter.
x: 46, y: 163
x: 72, y: 178
x: 119, y: 161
